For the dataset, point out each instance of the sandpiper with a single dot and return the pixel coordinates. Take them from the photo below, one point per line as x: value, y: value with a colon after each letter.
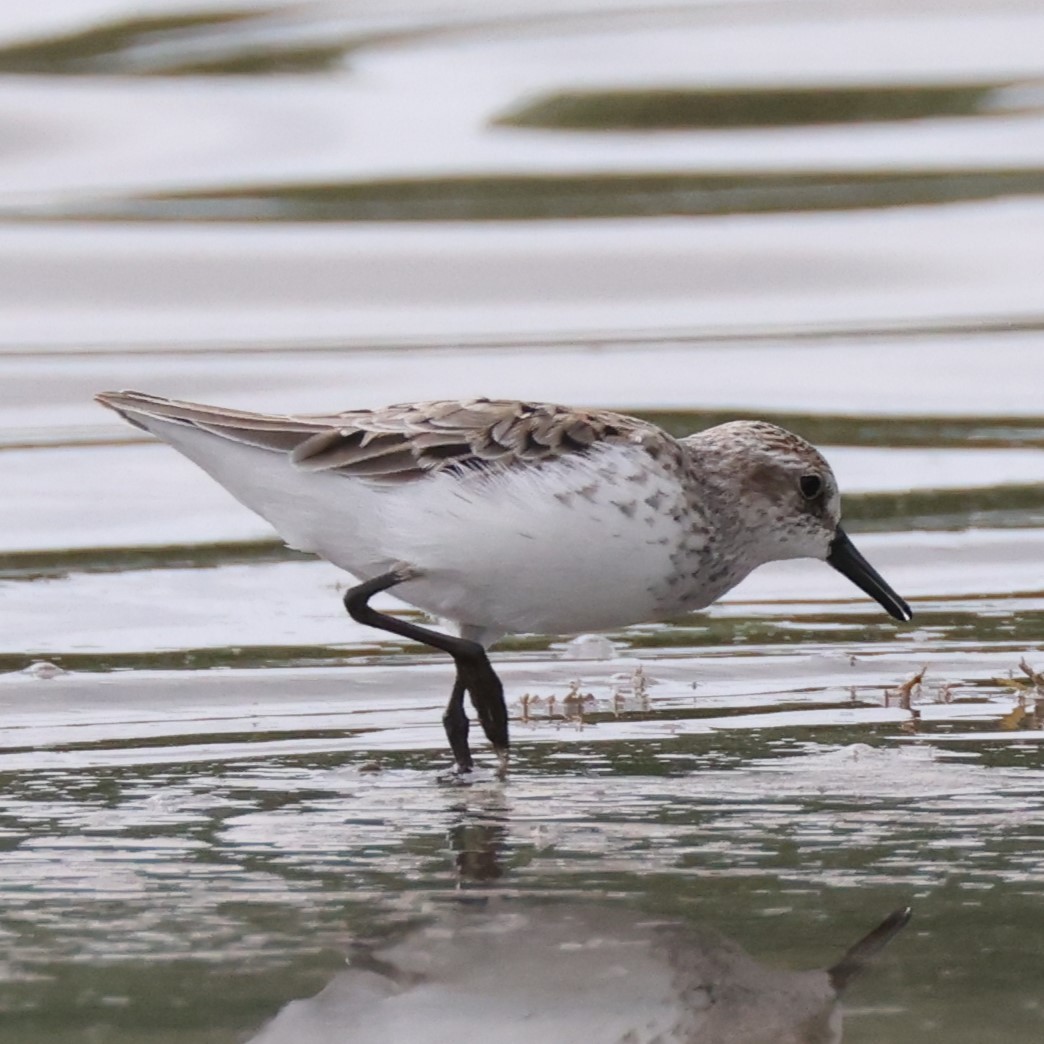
x: 505, y: 517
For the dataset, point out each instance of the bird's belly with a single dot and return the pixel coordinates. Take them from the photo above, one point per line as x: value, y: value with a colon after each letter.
x: 540, y: 596
x: 530, y: 554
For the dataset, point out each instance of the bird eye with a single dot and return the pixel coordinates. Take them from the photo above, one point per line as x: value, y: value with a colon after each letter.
x: 811, y: 486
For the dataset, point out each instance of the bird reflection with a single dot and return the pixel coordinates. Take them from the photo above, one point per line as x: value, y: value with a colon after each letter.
x: 479, y: 848
x: 478, y: 835
x: 556, y: 973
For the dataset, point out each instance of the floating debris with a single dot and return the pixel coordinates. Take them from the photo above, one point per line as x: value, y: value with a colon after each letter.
x: 906, y: 693
x: 910, y: 690
x: 631, y: 692
x: 575, y: 702
x: 44, y: 670
x: 1028, y: 712
x: 589, y: 647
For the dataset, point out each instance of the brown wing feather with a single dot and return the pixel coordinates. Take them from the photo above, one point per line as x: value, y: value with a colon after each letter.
x: 479, y: 432
x: 404, y: 442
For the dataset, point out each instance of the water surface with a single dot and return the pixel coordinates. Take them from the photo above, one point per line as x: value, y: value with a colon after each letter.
x: 218, y: 788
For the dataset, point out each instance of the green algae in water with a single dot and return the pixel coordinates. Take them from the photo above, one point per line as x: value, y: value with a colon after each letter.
x: 523, y: 197
x: 715, y: 108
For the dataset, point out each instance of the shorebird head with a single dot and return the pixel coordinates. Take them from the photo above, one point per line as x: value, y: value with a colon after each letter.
x: 790, y: 502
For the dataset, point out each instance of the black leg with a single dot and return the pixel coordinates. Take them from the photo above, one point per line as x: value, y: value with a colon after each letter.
x: 455, y: 722
x: 474, y: 671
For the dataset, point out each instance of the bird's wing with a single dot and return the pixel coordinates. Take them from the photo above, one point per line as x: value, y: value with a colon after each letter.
x: 399, y: 443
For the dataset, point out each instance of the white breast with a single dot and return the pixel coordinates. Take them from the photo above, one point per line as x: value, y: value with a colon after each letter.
x: 572, y: 546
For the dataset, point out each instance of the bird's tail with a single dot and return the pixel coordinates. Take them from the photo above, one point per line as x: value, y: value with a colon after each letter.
x: 265, y: 431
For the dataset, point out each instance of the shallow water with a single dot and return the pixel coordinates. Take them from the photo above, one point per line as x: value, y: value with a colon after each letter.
x: 218, y: 788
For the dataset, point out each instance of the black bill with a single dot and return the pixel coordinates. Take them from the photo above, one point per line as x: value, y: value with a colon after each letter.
x: 849, y: 562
